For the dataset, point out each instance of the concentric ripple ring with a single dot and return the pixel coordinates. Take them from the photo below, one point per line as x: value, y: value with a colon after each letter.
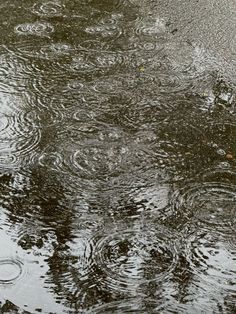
x: 10, y: 270
x: 130, y: 258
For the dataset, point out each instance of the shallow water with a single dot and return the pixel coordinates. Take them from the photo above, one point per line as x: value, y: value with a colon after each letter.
x: 117, y: 156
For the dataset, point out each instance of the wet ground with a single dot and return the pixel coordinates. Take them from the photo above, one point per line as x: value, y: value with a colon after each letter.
x: 117, y: 156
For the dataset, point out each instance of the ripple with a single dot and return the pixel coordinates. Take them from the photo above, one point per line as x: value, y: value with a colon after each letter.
x: 165, y: 82
x: 73, y: 269
x: 108, y: 60
x: 143, y: 113
x: 56, y: 50
x: 148, y: 305
x: 4, y: 123
x: 15, y: 74
x: 41, y: 29
x: 119, y: 46
x: 26, y: 136
x: 179, y: 143
x: 150, y: 26
x: 48, y: 9
x: 98, y: 160
x: 221, y: 138
x: 210, y: 203
x: 113, y: 5
x: 44, y: 113
x: 19, y: 139
x: 48, y: 51
x: 108, y: 27
x: 222, y: 174
x: 123, y: 45
x: 114, y: 84
x: 94, y: 45
x: 47, y: 87
x: 82, y: 249
x: 8, y: 161
x: 82, y: 63
x: 132, y: 305
x: 212, y: 262
x: 53, y: 161
x: 77, y: 88
x: 10, y: 271
x: 132, y: 257
x: 101, y: 160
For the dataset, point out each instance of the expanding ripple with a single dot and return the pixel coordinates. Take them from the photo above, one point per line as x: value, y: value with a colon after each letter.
x: 221, y: 138
x: 19, y: 139
x: 4, y: 123
x: 132, y: 305
x: 10, y: 271
x: 125, y: 45
x: 100, y: 160
x: 114, y: 84
x: 107, y: 112
x: 165, y: 82
x: 80, y: 267
x: 112, y: 5
x: 179, y: 144
x: 132, y: 257
x: 15, y: 74
x: 96, y: 159
x: 25, y: 137
x: 152, y: 26
x: 210, y: 203
x: 108, y: 60
x: 148, y: 305
x: 212, y: 262
x: 106, y: 28
x: 48, y: 9
x: 41, y: 29
x: 145, y: 113
x: 94, y: 45
x: 47, y: 51
x: 52, y: 161
x: 223, y: 174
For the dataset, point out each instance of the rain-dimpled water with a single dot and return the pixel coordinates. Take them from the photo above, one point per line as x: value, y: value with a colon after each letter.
x: 118, y: 156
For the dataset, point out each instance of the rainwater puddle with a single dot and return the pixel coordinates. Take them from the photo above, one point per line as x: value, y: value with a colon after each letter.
x: 117, y: 156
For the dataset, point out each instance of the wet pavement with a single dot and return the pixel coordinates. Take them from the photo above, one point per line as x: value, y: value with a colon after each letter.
x: 117, y: 156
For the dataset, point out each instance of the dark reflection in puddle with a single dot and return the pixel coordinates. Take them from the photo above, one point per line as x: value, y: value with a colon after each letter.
x: 117, y: 156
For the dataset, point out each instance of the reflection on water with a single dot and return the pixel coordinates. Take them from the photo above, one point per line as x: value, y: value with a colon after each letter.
x: 117, y: 156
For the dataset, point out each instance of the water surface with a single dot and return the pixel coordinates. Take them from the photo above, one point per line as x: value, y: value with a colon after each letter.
x: 117, y: 156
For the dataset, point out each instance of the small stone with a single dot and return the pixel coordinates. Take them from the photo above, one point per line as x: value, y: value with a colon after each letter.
x: 229, y: 156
